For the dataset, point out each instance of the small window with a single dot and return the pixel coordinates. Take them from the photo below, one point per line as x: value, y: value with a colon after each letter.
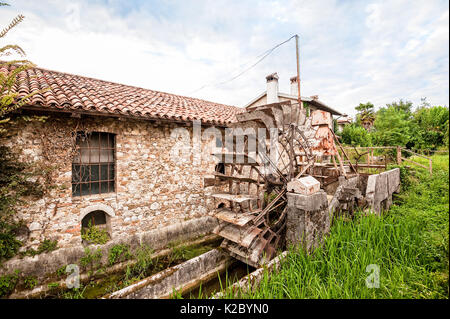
x: 93, y: 166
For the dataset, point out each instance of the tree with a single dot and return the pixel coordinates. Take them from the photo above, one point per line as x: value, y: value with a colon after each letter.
x: 431, y: 123
x: 366, y: 115
x: 9, y: 99
x: 356, y: 135
x: 394, y: 126
x: 401, y: 105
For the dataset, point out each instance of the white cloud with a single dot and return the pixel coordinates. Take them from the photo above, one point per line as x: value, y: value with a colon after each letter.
x: 351, y: 52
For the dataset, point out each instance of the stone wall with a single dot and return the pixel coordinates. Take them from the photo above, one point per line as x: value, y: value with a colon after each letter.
x: 152, y: 189
x: 44, y: 265
x: 308, y: 219
x: 164, y: 283
x: 380, y: 188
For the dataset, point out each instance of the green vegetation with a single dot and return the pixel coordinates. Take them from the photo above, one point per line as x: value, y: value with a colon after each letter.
x: 144, y: 264
x: 44, y: 247
x: 409, y: 244
x: 119, y: 253
x: 397, y: 124
x: 91, y: 259
x: 9, y: 98
x: 30, y: 282
x: 61, y: 271
x: 53, y: 285
x: 95, y: 235
x: 366, y: 114
x: 14, y: 175
x: 354, y: 134
x: 8, y: 283
x: 16, y: 180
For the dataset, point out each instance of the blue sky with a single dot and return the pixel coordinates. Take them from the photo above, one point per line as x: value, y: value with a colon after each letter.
x: 351, y: 51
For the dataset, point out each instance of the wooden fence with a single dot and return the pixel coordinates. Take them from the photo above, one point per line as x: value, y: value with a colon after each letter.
x: 378, y: 157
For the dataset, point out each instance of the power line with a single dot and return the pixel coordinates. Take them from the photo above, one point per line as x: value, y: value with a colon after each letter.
x: 262, y: 57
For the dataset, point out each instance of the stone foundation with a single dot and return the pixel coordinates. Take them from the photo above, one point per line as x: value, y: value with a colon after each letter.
x: 41, y: 266
x: 307, y: 219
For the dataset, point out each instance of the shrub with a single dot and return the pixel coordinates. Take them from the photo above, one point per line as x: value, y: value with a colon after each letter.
x: 8, y: 283
x: 30, y: 282
x: 91, y: 258
x: 95, y: 235
x: 44, y: 247
x: 118, y: 253
x: 15, y: 182
x: 356, y: 135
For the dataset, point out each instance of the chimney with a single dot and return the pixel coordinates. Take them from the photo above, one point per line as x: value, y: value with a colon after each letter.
x: 294, y: 86
x: 272, y: 88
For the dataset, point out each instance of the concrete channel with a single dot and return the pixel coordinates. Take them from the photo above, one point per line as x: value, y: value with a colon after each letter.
x: 207, y: 275
x: 179, y: 278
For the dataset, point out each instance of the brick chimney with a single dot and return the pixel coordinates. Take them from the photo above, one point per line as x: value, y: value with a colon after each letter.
x: 272, y: 88
x: 294, y: 86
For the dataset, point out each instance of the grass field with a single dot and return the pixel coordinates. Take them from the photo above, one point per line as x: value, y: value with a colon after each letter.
x: 409, y: 245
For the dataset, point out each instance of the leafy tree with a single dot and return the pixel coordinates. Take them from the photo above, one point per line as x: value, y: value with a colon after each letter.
x: 432, y: 126
x: 405, y: 106
x: 425, y: 128
x: 356, y: 135
x: 366, y: 115
x: 394, y: 126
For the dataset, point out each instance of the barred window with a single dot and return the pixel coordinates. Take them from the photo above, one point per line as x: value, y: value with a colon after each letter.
x: 93, y: 166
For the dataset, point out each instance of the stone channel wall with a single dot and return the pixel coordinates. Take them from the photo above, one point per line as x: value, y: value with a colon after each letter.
x: 43, y: 265
x: 176, y: 278
x: 153, y: 188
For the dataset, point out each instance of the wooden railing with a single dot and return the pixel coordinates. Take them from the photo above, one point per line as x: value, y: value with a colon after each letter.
x: 378, y: 157
x: 430, y: 161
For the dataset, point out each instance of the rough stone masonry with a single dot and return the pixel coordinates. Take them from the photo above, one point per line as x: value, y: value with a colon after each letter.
x: 307, y: 217
x: 151, y: 189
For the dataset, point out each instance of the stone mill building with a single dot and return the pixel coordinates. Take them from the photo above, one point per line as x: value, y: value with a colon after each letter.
x: 111, y: 154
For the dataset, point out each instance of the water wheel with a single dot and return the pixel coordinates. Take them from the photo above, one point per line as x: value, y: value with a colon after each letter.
x: 268, y: 150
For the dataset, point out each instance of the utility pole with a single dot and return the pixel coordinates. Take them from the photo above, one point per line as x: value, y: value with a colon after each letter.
x: 298, y: 72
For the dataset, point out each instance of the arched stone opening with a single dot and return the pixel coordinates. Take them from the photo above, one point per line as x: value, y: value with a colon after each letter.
x: 96, y: 215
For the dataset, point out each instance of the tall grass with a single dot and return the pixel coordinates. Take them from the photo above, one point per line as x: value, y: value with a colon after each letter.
x: 409, y: 244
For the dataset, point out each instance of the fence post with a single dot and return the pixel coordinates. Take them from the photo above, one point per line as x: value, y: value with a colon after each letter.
x: 430, y: 163
x: 399, y: 155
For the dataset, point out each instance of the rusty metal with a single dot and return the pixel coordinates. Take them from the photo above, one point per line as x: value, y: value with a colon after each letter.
x: 93, y: 166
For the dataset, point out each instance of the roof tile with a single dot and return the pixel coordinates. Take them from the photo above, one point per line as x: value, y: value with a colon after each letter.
x: 74, y: 92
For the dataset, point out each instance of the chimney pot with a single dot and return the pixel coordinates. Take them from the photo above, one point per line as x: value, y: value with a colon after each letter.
x: 272, y: 88
x: 294, y: 86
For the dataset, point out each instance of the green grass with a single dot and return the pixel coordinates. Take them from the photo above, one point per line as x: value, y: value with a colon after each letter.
x: 409, y: 244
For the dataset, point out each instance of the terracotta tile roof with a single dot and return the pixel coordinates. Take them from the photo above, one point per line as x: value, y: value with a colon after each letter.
x: 79, y: 93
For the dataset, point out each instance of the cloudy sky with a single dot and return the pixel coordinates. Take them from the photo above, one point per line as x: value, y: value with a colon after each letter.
x: 351, y: 51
